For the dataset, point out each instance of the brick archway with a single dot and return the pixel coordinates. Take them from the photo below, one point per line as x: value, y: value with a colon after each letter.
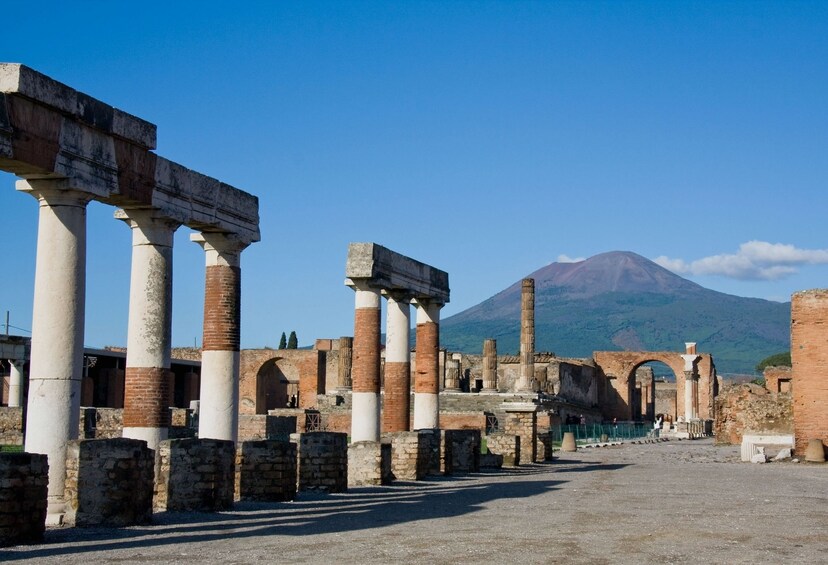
x: 618, y: 368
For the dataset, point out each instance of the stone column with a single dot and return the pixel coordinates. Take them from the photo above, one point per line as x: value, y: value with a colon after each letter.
x: 490, y: 365
x: 427, y: 384
x: 365, y: 370
x: 527, y: 335
x: 346, y: 345
x: 146, y: 388
x: 452, y: 380
x: 688, y: 396
x: 56, y: 364
x: 15, y: 383
x: 219, y: 396
x: 396, y: 407
x: 690, y: 385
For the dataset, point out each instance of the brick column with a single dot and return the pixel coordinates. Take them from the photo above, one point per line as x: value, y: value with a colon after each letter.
x: 365, y: 370
x: 346, y: 348
x: 809, y: 371
x: 396, y: 408
x: 219, y: 396
x: 427, y: 380
x: 56, y: 365
x: 15, y: 383
x: 527, y: 335
x: 146, y: 390
x: 490, y: 365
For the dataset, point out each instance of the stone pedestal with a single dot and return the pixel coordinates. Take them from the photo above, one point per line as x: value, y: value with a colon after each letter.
x: 194, y: 475
x: 369, y: 463
x: 109, y: 482
x: 266, y: 471
x: 323, y: 461
x: 24, y: 481
x: 521, y: 419
x: 463, y: 446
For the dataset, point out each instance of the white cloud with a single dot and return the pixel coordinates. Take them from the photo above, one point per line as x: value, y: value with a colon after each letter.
x: 568, y: 259
x: 755, y: 260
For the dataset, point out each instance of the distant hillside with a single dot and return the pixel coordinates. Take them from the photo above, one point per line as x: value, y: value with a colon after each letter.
x: 622, y: 301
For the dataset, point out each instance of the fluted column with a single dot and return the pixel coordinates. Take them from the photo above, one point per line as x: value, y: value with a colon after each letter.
x: 427, y: 380
x: 346, y: 345
x: 147, y: 394
x: 396, y: 409
x: 490, y: 365
x: 56, y: 364
x: 219, y: 395
x: 452, y: 380
x: 527, y: 335
x: 15, y: 383
x: 365, y: 369
x: 690, y: 385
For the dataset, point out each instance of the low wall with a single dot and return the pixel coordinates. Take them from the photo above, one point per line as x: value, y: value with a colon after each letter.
x: 507, y: 446
x: 259, y: 427
x: 323, y: 461
x: 24, y: 480
x: 109, y: 482
x: 194, y: 475
x: 266, y: 471
x: 369, y: 463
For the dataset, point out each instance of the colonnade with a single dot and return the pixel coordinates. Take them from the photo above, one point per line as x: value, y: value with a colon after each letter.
x: 373, y: 271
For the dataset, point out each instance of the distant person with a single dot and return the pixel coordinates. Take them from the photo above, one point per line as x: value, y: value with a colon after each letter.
x: 583, y: 420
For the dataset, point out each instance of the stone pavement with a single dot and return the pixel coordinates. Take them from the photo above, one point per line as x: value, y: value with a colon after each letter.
x: 672, y: 502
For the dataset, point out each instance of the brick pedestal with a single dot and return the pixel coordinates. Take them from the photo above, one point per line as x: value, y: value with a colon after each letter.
x: 109, y: 482
x: 266, y: 471
x: 194, y: 475
x: 505, y: 445
x: 24, y: 479
x: 521, y: 419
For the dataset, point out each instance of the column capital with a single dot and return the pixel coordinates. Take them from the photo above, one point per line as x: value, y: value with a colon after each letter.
x: 154, y: 228
x: 54, y: 192
x: 221, y: 248
x: 398, y: 295
x: 690, y: 361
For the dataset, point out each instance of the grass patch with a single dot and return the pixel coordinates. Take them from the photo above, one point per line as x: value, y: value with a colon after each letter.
x: 11, y: 449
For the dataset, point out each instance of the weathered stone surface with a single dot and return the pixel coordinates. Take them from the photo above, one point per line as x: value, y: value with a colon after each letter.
x: 194, y: 475
x: 751, y: 409
x: 24, y: 480
x: 507, y: 446
x: 266, y: 471
x: 109, y: 482
x: 809, y: 359
x: 323, y: 461
x: 545, y: 448
x: 369, y: 463
x: 11, y: 425
x: 463, y: 447
x: 521, y: 419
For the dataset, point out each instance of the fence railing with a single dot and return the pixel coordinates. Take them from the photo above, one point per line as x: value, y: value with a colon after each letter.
x: 593, y: 433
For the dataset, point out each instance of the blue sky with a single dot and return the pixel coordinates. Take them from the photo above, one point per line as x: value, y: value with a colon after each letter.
x: 485, y: 138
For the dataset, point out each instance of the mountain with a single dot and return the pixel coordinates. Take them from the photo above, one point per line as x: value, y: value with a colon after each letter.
x: 622, y: 301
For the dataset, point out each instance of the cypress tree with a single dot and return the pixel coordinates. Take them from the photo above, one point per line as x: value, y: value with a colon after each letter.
x: 283, y: 341
x: 292, y: 342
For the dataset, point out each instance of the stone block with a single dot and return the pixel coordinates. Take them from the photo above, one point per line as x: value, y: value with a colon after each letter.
x: 508, y: 446
x: 323, y: 461
x: 464, y: 448
x: 108, y: 482
x: 24, y: 480
x: 194, y: 475
x: 369, y: 463
x: 266, y: 471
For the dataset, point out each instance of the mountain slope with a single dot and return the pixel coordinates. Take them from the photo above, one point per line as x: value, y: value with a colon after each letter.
x: 622, y: 301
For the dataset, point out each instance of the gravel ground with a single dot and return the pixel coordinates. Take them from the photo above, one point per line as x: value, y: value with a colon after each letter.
x: 670, y: 502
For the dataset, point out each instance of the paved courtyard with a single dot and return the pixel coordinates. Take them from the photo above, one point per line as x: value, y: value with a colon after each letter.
x: 670, y: 502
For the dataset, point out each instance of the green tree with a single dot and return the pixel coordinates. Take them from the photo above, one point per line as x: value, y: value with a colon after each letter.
x: 777, y: 360
x: 283, y: 341
x: 292, y: 342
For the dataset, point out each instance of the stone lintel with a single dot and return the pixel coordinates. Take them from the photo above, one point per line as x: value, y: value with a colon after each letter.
x: 382, y: 268
x: 519, y: 407
x: 20, y: 80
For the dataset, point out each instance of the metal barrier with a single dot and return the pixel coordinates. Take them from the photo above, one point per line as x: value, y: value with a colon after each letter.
x: 592, y: 433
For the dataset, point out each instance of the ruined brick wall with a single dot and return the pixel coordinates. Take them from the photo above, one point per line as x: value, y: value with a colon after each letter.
x: 24, y: 480
x: 778, y: 379
x: 266, y: 471
x: 751, y: 409
x: 508, y: 446
x: 194, y: 475
x: 109, y: 482
x: 292, y: 364
x: 666, y: 400
x: 463, y: 421
x: 809, y: 359
x: 323, y: 461
x: 11, y: 425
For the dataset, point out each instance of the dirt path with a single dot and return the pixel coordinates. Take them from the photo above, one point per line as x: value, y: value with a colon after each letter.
x: 673, y: 502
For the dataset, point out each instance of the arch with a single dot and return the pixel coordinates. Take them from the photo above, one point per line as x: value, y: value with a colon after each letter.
x: 274, y: 385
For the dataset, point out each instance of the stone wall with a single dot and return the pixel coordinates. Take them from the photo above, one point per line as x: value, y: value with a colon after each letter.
x: 506, y: 446
x: 778, y: 379
x: 11, y: 426
x: 101, y: 423
x: 524, y: 425
x: 431, y: 453
x: 257, y: 427
x: 369, y: 463
x: 194, y: 475
x: 809, y: 359
x: 109, y: 482
x: 323, y: 461
x: 406, y: 462
x: 751, y: 409
x: 266, y: 471
x: 24, y: 480
x: 545, y: 448
x: 665, y: 400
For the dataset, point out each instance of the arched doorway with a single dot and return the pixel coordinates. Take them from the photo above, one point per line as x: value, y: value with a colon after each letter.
x: 272, y: 387
x: 652, y: 391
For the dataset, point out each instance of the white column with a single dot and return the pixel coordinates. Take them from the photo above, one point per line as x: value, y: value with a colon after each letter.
x: 56, y: 364
x: 147, y: 395
x: 15, y: 383
x: 365, y: 367
x: 688, y: 396
x: 397, y: 400
x: 427, y: 385
x: 219, y: 395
